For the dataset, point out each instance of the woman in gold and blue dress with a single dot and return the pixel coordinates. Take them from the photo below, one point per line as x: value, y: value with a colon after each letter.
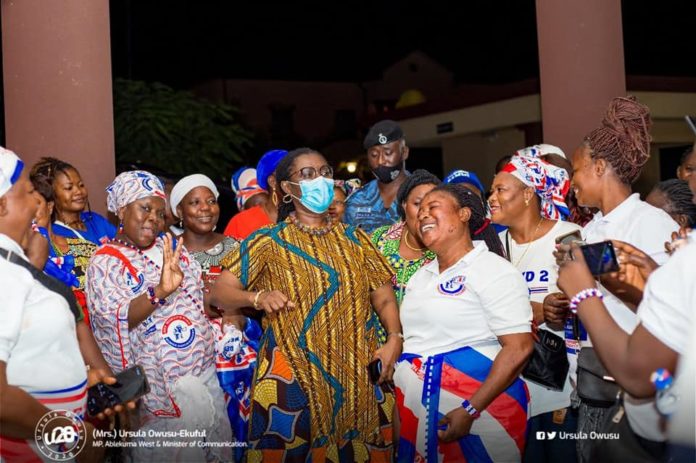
x: 317, y: 281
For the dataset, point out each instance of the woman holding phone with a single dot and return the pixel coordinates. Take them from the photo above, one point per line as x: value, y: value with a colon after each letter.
x: 41, y: 367
x: 605, y: 166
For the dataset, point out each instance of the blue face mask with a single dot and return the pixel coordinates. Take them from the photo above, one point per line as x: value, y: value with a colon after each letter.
x: 317, y: 194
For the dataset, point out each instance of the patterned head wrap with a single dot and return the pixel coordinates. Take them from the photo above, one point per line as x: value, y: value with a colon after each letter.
x: 245, y: 185
x: 132, y: 186
x: 10, y: 169
x: 550, y: 183
x: 349, y: 186
x: 542, y: 149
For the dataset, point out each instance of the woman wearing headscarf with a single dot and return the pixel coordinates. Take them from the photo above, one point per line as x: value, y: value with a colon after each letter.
x: 317, y: 281
x: 41, y: 367
x: 251, y: 219
x: 528, y: 197
x: 467, y: 328
x: 246, y: 189
x: 194, y: 201
x: 605, y: 166
x: 343, y: 189
x: 146, y: 300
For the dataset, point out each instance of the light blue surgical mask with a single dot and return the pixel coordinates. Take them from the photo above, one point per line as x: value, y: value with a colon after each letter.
x: 317, y: 194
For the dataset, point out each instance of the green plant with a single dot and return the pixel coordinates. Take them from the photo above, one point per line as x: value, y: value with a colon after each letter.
x: 176, y: 132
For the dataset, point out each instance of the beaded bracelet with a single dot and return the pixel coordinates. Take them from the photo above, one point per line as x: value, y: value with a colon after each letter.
x: 582, y: 295
x: 470, y: 409
x: 154, y: 300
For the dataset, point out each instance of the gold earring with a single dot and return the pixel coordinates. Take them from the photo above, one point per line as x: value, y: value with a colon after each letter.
x: 526, y: 202
x: 274, y: 198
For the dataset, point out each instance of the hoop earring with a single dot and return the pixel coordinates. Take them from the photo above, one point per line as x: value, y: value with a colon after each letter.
x: 274, y: 198
x: 287, y: 199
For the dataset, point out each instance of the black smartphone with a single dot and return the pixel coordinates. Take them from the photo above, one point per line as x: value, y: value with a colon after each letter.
x: 374, y: 370
x: 130, y: 384
x: 600, y: 257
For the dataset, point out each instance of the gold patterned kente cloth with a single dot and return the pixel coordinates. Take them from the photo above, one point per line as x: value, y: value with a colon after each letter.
x: 312, y: 393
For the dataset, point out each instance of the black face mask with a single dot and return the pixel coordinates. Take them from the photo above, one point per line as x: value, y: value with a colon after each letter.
x: 387, y: 174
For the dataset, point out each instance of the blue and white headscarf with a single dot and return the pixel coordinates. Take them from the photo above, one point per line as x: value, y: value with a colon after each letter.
x: 10, y: 169
x: 132, y: 186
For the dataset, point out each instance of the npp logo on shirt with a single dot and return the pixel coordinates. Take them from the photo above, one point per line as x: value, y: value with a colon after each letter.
x: 453, y: 287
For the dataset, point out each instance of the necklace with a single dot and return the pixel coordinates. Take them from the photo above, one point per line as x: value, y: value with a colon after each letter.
x: 213, y: 256
x: 150, y: 262
x: 316, y: 231
x: 408, y: 245
x: 529, y: 245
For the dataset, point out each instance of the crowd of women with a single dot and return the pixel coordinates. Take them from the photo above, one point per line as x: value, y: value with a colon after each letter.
x: 407, y: 319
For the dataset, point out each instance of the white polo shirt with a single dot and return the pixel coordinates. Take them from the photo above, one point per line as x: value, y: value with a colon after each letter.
x: 38, y: 341
x: 647, y: 228
x: 476, y: 300
x: 640, y: 224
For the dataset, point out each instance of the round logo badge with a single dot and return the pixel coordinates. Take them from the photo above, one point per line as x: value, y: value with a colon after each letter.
x: 135, y: 282
x: 178, y: 331
x: 453, y: 287
x: 60, y: 435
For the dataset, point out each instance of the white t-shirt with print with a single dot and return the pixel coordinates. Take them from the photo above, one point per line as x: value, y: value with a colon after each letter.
x: 536, y: 263
x: 476, y: 300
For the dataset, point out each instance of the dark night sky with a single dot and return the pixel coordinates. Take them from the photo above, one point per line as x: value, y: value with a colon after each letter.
x: 180, y: 42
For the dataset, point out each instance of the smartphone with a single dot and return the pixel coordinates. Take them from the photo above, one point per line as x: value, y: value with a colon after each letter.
x: 569, y: 238
x: 374, y: 370
x: 130, y: 384
x: 600, y: 257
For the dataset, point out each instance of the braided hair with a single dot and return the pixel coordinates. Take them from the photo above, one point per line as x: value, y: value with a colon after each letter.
x: 623, y: 139
x: 479, y: 225
x: 46, y: 170
x: 679, y: 199
x: 417, y: 178
x: 283, y: 172
x: 42, y: 184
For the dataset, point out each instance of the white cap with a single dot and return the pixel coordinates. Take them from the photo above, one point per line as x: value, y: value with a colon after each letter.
x: 187, y: 184
x: 10, y: 169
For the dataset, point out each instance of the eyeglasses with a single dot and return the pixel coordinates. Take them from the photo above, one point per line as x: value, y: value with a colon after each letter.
x: 310, y: 173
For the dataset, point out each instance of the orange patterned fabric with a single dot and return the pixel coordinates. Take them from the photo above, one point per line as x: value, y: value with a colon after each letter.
x: 312, y: 392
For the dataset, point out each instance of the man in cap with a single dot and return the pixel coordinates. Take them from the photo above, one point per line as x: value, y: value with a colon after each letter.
x: 374, y: 204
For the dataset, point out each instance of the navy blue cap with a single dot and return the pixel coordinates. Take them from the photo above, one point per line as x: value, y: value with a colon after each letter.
x: 464, y: 176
